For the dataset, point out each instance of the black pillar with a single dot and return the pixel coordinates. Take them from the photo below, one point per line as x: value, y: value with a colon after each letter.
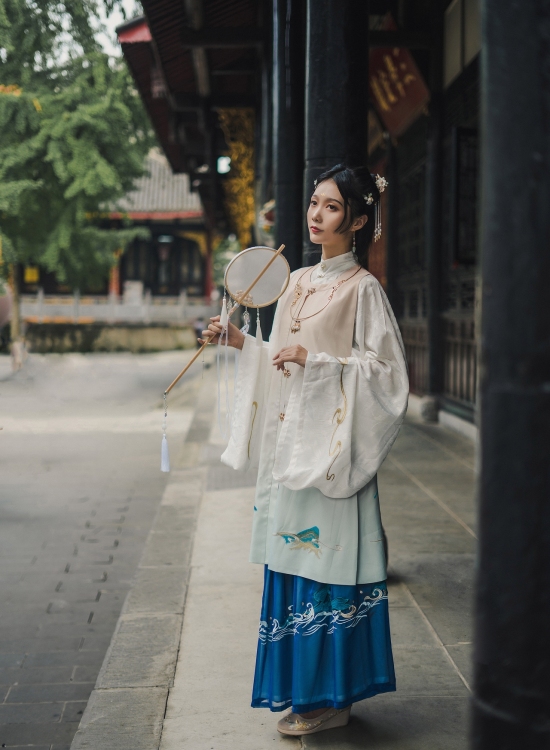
x: 392, y: 255
x: 337, y: 91
x: 288, y: 125
x: 264, y: 122
x: 433, y: 208
x: 511, y: 706
x: 264, y: 131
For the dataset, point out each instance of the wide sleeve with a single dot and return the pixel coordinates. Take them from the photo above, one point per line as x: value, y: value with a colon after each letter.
x: 342, y: 421
x: 251, y: 390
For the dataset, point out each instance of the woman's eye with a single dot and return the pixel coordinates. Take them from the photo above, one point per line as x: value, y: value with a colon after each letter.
x: 331, y: 206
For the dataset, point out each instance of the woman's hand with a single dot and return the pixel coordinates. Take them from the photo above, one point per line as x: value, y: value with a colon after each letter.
x: 295, y: 354
x: 234, y: 336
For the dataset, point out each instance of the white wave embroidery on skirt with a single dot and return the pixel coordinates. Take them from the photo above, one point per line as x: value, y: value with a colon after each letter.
x: 310, y: 621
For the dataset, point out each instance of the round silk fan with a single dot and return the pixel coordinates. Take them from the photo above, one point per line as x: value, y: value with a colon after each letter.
x: 244, y: 269
x: 256, y: 277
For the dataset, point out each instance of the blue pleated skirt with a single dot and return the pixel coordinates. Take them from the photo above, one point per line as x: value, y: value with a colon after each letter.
x: 321, y: 645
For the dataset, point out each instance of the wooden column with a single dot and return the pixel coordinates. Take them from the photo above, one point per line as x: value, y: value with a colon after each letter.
x: 337, y: 91
x: 392, y: 259
x: 288, y: 126
x: 433, y: 215
x: 511, y: 705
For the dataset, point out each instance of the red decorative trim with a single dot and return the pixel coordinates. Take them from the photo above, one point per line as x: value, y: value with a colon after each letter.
x: 138, y: 33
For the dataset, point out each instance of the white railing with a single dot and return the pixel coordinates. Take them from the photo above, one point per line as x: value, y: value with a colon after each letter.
x: 146, y: 309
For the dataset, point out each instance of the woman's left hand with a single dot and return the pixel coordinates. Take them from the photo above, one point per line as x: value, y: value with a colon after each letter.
x: 295, y: 354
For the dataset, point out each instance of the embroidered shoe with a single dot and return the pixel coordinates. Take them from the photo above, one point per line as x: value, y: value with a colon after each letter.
x: 295, y: 724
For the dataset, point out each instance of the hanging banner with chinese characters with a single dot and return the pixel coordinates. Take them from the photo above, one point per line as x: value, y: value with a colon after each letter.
x: 397, y: 88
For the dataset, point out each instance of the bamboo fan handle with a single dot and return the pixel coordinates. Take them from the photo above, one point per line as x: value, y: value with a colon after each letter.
x: 238, y: 302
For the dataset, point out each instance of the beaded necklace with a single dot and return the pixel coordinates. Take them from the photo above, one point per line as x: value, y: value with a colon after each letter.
x: 297, y: 319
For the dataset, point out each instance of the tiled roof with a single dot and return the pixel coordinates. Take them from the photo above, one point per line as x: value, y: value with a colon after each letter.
x: 160, y: 191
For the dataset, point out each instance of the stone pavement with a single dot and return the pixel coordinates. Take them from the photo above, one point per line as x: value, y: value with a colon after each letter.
x: 179, y: 672
x: 79, y: 488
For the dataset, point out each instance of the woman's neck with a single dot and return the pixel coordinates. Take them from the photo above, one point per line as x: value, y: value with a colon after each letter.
x: 332, y: 251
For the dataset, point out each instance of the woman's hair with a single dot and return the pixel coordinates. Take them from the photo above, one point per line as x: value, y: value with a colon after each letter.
x: 355, y: 185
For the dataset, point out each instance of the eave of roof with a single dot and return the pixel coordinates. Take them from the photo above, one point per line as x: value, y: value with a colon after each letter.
x: 155, y: 45
x: 134, y: 31
x: 159, y: 194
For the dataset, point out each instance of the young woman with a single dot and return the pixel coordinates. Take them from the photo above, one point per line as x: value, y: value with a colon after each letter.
x: 317, y: 410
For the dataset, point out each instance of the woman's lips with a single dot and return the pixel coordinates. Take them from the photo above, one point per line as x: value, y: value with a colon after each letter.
x: 315, y: 230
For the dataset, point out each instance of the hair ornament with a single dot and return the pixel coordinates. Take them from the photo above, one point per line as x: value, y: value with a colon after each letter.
x: 315, y: 183
x: 381, y: 183
x: 369, y: 200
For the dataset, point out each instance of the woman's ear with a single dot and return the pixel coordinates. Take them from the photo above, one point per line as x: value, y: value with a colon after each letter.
x: 360, y: 222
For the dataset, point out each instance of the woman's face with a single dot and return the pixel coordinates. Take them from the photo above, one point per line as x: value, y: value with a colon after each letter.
x: 326, y: 213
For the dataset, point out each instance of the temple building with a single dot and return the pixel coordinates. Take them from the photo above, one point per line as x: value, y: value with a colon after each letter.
x: 175, y: 257
x: 401, y: 95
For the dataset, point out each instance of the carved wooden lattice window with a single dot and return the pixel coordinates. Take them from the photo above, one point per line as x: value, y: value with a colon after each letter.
x: 464, y: 196
x: 460, y: 238
x: 412, y: 208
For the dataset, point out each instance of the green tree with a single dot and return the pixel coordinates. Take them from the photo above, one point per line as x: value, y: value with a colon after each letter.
x: 73, y: 139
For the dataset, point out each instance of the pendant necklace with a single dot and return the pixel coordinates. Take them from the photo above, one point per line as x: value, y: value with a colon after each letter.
x: 297, y: 319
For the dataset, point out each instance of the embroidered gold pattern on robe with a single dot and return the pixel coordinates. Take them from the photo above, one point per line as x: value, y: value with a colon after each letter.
x: 339, y: 415
x: 255, y: 405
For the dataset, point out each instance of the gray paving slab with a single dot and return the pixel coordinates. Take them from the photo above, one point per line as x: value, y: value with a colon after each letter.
x: 36, y: 676
x: 29, y: 714
x: 126, y: 719
x: 393, y: 723
x: 11, y: 660
x: 166, y: 549
x: 143, y: 652
x: 56, y: 692
x: 62, y: 658
x: 85, y: 674
x: 407, y: 629
x: 36, y: 733
x: 462, y: 656
x: 74, y: 711
x: 444, y: 586
x: 158, y: 589
x: 425, y: 672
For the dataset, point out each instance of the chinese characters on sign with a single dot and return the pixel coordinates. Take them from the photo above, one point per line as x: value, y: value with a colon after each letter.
x: 397, y: 88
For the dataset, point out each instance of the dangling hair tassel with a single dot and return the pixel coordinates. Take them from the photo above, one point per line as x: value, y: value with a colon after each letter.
x: 164, y: 455
x: 377, y: 221
x: 381, y: 184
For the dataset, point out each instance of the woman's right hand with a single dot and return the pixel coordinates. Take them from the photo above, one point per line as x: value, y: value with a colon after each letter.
x: 235, y: 337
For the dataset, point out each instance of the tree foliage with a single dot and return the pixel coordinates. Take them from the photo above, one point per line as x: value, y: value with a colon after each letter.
x: 73, y: 139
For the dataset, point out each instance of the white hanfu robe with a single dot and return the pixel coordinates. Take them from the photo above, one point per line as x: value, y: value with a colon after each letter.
x: 319, y: 434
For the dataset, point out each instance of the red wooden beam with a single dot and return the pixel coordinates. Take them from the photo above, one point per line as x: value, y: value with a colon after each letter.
x: 138, y: 32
